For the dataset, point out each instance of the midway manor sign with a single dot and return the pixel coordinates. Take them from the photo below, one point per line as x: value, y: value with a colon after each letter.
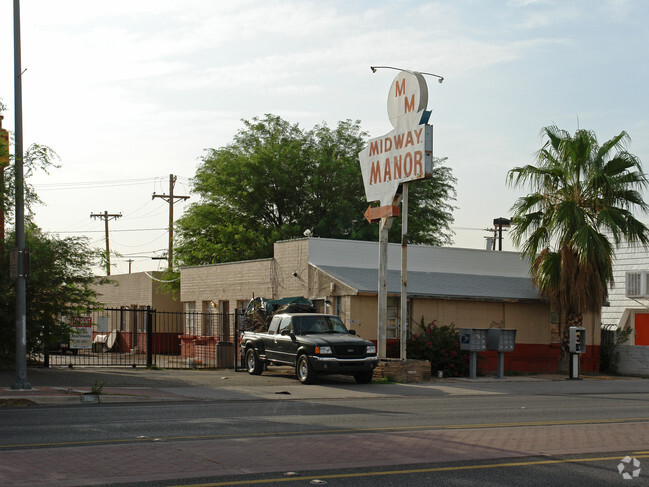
x: 406, y: 153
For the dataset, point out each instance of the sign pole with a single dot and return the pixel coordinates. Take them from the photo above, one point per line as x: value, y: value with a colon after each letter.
x: 404, y: 271
x: 388, y: 163
x: 384, y: 227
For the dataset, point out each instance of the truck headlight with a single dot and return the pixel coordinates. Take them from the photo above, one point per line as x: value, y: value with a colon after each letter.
x: 371, y: 350
x: 323, y: 350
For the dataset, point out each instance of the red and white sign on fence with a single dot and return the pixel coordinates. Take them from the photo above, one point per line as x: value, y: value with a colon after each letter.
x: 81, y: 337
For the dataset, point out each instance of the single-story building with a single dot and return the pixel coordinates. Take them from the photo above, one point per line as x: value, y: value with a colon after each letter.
x: 466, y: 287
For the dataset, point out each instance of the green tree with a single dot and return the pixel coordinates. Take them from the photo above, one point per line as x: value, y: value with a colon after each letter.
x: 58, y: 287
x: 276, y: 180
x: 580, y: 209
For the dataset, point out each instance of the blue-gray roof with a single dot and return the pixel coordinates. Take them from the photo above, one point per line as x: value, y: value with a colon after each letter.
x: 441, y: 285
x: 435, y: 272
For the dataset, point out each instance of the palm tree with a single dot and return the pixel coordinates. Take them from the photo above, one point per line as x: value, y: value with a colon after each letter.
x: 580, y: 209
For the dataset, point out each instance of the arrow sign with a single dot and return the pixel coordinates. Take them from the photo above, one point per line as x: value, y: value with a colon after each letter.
x: 375, y: 213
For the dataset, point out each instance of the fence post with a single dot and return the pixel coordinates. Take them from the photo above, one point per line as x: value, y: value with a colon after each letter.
x: 149, y: 336
x: 235, y: 339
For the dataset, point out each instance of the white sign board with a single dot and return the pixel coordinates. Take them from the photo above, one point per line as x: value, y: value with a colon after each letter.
x: 406, y: 153
x: 81, y: 337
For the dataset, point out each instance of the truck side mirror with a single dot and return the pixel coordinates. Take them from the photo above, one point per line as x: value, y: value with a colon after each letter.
x: 287, y: 332
x: 353, y: 332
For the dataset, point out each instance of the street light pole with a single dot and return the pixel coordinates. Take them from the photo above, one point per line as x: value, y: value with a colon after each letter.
x: 19, y: 211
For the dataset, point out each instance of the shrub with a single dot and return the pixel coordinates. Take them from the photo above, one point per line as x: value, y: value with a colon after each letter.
x: 441, y: 346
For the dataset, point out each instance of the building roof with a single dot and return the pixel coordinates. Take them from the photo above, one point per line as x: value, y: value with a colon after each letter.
x: 435, y: 272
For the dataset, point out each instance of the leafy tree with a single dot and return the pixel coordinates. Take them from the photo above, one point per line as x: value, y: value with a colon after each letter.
x: 430, y: 212
x: 58, y: 287
x: 37, y: 157
x: 580, y: 208
x: 275, y: 180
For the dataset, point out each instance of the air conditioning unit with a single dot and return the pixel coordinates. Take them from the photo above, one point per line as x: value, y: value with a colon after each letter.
x: 637, y: 284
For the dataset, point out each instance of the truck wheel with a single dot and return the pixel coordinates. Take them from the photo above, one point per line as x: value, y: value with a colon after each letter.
x: 364, y: 377
x: 304, y: 371
x: 253, y: 364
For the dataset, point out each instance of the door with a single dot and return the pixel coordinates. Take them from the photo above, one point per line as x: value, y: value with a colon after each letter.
x: 285, y: 347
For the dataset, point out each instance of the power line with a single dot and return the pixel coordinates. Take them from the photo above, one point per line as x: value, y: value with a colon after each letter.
x: 114, y: 231
x: 96, y: 184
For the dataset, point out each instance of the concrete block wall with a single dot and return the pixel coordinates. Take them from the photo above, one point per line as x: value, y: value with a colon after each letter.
x: 226, y: 282
x: 634, y: 360
x: 126, y: 290
x: 290, y: 268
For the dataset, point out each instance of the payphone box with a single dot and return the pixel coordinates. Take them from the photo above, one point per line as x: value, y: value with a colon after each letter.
x: 577, y: 339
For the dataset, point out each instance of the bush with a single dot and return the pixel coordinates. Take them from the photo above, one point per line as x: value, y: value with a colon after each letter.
x: 441, y: 346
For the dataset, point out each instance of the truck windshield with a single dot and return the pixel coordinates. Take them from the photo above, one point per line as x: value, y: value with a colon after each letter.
x: 318, y: 324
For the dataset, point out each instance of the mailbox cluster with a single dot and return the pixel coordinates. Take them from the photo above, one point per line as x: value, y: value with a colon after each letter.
x: 481, y: 339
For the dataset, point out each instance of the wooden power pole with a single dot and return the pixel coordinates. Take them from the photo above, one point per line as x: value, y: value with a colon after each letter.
x: 106, y: 216
x: 171, y: 199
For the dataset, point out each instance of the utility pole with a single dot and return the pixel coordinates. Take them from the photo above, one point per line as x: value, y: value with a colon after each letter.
x: 130, y: 261
x: 170, y: 198
x: 106, y: 216
x: 499, y: 224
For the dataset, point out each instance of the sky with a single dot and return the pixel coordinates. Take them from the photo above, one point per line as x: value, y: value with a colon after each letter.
x: 129, y: 92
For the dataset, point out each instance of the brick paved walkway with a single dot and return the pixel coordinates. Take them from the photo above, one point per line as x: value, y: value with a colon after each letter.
x: 148, y: 460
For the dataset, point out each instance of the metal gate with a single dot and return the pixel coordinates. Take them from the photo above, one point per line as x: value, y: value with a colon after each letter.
x: 147, y: 338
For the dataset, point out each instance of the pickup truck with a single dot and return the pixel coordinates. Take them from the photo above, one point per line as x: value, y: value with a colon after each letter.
x: 314, y: 344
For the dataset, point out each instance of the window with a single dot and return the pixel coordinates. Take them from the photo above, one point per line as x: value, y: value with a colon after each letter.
x: 209, y: 318
x: 285, y: 324
x: 190, y: 318
x: 224, y: 308
x: 393, y: 317
x: 555, y: 336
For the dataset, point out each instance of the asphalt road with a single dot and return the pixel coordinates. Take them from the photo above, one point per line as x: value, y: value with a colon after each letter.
x: 440, y: 433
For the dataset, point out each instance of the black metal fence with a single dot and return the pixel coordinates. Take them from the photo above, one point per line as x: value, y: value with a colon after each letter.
x: 149, y: 338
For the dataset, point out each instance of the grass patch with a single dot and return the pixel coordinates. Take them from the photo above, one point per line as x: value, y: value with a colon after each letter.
x: 384, y: 380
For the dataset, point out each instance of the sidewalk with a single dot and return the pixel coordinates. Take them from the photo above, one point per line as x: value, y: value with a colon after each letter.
x: 55, y: 386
